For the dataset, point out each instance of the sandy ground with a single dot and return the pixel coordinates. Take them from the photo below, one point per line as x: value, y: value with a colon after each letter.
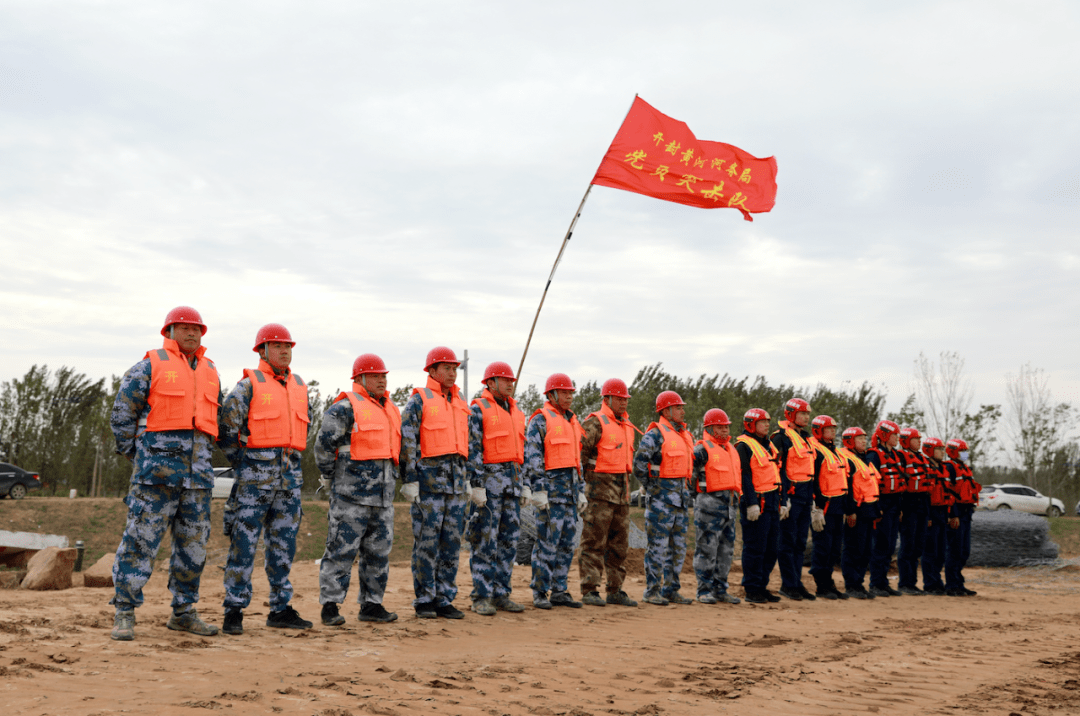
x: 1015, y: 648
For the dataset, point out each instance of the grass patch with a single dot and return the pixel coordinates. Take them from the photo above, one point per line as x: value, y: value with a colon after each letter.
x: 1066, y: 532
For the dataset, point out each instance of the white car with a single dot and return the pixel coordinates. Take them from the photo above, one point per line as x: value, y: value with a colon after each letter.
x: 1019, y: 497
x: 223, y: 482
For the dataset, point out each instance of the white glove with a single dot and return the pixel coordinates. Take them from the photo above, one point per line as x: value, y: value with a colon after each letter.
x: 817, y: 518
x: 478, y: 496
x: 539, y: 500
x: 752, y: 513
x: 582, y: 503
x: 411, y: 491
x: 526, y: 496
x: 785, y: 511
x: 324, y: 483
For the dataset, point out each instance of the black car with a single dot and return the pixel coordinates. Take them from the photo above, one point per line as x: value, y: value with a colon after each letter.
x: 15, y: 481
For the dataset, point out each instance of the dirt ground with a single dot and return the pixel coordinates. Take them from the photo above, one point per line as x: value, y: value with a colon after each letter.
x: 1015, y: 648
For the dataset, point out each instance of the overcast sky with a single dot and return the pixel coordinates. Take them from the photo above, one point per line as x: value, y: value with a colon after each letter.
x: 386, y: 177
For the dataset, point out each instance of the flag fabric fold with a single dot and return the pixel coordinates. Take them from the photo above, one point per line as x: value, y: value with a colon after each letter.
x: 655, y: 155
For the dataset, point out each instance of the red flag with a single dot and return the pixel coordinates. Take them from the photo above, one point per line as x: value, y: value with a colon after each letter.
x: 660, y: 157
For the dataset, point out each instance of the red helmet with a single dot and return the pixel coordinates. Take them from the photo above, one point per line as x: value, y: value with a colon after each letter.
x: 559, y: 381
x: 667, y: 399
x: 848, y: 438
x: 954, y: 447
x: 440, y: 354
x: 715, y: 416
x: 931, y: 444
x: 615, y: 387
x: 795, y: 405
x: 183, y: 314
x: 272, y: 332
x: 753, y: 415
x: 820, y: 423
x: 368, y: 363
x: 884, y: 430
x: 907, y: 435
x: 498, y: 369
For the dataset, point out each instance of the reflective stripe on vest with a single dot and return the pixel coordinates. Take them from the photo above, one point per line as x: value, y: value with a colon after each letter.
x: 723, y: 469
x: 444, y: 424
x: 562, y: 439
x: 966, y: 485
x: 832, y: 479
x: 763, y: 468
x: 677, y: 452
x: 376, y: 429
x: 181, y: 398
x: 937, y: 475
x: 864, y: 483
x: 800, y: 457
x: 891, y: 471
x: 615, y: 451
x: 278, y: 414
x: 916, y: 472
x: 504, y: 431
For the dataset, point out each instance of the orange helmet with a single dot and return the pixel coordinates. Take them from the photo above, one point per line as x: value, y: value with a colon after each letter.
x: 183, y: 314
x: 955, y: 447
x: 440, y: 354
x: 368, y: 363
x: 931, y: 444
x: 848, y: 438
x: 498, y: 369
x: 667, y: 399
x: 715, y: 416
x: 615, y: 387
x: 753, y: 415
x: 820, y: 423
x: 559, y: 381
x: 907, y: 435
x: 884, y: 430
x: 272, y: 332
x: 795, y: 405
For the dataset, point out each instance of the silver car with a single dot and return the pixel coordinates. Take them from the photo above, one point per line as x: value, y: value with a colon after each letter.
x: 1019, y: 497
x: 223, y: 483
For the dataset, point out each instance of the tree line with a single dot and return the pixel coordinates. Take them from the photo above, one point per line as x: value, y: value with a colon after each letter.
x: 56, y: 423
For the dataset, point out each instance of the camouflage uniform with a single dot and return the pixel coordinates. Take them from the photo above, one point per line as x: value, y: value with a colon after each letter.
x: 553, y: 550
x: 605, y: 536
x: 170, y: 488
x: 266, y: 495
x: 361, y: 517
x: 666, y: 519
x: 438, y: 519
x: 494, y: 529
x: 714, y: 531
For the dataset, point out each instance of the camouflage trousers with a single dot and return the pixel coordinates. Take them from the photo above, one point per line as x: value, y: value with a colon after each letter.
x: 493, y: 533
x: 278, y: 511
x: 665, y: 526
x: 437, y: 521
x: 714, y: 540
x: 152, y: 509
x: 353, y: 530
x: 553, y: 550
x: 605, y: 539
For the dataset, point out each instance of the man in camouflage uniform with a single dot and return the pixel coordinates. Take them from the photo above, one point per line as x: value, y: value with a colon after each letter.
x: 165, y: 421
x: 718, y: 478
x: 496, y: 453
x: 663, y: 465
x: 605, y: 537
x: 361, y: 487
x: 264, y: 426
x: 434, y: 453
x: 553, y: 472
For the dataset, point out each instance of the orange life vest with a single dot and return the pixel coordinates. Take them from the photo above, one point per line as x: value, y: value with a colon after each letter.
x: 278, y: 414
x: 891, y: 472
x: 832, y: 479
x: 723, y: 471
x: 444, y: 423
x: 677, y: 452
x: 504, y: 432
x: 376, y: 430
x: 917, y: 480
x: 615, y: 451
x: 800, y: 457
x: 864, y: 483
x: 181, y: 398
x: 562, y: 441
x: 938, y: 476
x: 966, y: 485
x: 764, y: 471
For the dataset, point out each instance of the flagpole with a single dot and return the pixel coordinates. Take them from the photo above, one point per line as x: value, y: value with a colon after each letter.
x: 566, y: 240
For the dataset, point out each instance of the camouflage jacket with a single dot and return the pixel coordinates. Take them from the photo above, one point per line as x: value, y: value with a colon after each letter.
x: 600, y: 486
x: 562, y: 485
x: 500, y: 478
x: 362, y: 482
x: 647, y: 464
x: 444, y: 474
